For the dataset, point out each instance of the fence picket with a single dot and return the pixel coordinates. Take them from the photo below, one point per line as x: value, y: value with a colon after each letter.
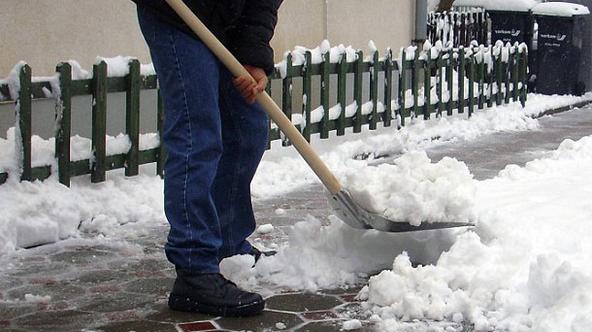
x: 99, y: 122
x: 507, y: 71
x: 450, y: 82
x: 287, y: 93
x: 524, y: 75
x: 374, y: 90
x: 132, y: 121
x: 358, y: 79
x: 388, y: 86
x: 23, y: 115
x: 403, y: 89
x: 415, y: 77
x: 325, y: 90
x: 471, y: 86
x: 427, y: 86
x: 440, y: 85
x: 481, y: 76
x: 498, y: 79
x: 161, y: 152
x: 307, y: 94
x: 342, y: 93
x: 461, y: 80
x: 64, y: 123
x: 515, y: 79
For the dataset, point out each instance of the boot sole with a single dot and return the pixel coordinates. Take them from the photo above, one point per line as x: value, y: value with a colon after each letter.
x: 186, y: 304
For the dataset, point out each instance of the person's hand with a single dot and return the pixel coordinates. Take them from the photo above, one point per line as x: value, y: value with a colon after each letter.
x: 248, y: 88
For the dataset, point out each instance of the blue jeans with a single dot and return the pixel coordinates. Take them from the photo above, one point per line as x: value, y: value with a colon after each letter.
x: 214, y: 141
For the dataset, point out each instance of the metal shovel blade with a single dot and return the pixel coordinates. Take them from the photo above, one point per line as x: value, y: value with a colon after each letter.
x: 358, y: 217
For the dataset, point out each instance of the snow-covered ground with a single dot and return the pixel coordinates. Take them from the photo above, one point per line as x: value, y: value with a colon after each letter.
x: 522, y: 268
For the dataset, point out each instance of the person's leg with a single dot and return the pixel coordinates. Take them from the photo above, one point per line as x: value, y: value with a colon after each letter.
x: 188, y: 75
x: 189, y: 81
x: 244, y: 135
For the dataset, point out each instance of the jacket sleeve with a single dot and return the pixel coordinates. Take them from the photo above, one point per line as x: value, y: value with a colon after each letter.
x: 249, y: 39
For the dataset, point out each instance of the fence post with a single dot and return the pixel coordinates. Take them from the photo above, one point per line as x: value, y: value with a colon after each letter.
x: 374, y: 90
x: 23, y: 115
x: 64, y: 123
x: 287, y: 93
x: 99, y: 122
x: 358, y: 78
x: 132, y: 117
x: 325, y: 90
x: 388, y: 87
x: 161, y: 154
x: 307, y: 94
x: 342, y: 93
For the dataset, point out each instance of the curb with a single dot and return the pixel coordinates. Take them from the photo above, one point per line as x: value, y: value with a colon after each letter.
x: 563, y: 109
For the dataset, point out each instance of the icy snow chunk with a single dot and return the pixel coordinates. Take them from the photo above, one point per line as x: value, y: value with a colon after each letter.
x: 31, y: 298
x: 352, y: 324
x: 280, y: 211
x: 119, y: 66
x: 265, y: 229
x: 414, y: 189
x: 280, y: 326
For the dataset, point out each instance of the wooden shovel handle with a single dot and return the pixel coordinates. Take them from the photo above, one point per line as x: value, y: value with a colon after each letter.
x: 272, y: 109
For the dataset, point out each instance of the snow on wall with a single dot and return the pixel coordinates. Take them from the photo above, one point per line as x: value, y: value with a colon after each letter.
x: 507, y: 5
x: 563, y: 9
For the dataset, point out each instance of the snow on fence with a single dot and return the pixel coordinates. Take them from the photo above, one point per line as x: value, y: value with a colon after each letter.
x: 431, y: 81
x: 459, y: 27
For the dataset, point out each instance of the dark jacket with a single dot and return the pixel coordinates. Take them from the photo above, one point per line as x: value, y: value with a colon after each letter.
x: 244, y: 26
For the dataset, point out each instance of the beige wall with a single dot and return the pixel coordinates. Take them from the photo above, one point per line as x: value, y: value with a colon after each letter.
x: 389, y: 23
x: 44, y: 33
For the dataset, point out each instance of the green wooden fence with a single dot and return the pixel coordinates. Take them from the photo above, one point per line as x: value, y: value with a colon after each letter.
x: 457, y: 80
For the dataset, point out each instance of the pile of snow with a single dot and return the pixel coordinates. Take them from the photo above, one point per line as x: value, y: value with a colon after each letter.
x: 413, y: 190
x: 279, y: 174
x: 320, y: 257
x: 36, y: 213
x: 505, y: 5
x: 525, y: 268
x: 563, y: 9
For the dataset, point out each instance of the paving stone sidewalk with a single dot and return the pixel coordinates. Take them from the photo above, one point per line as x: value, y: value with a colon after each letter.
x: 78, y: 285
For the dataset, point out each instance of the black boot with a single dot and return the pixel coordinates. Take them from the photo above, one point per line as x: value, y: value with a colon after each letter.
x: 212, y: 294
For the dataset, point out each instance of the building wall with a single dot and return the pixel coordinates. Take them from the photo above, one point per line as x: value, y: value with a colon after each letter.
x: 44, y: 33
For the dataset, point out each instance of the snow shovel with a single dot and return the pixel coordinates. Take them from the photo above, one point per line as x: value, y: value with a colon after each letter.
x: 347, y: 209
